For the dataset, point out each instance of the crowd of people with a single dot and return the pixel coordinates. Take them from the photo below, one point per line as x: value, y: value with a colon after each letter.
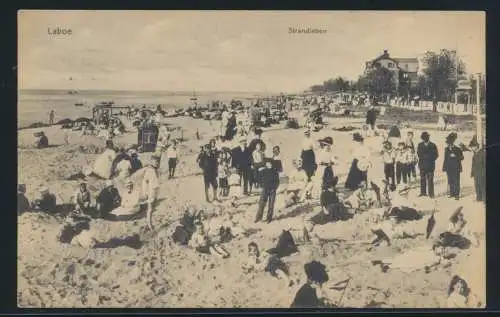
x: 230, y: 172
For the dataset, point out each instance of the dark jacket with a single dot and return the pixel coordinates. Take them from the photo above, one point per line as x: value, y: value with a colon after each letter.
x: 453, y: 158
x: 136, y: 164
x: 242, y: 160
x: 427, y: 156
x: 306, y: 298
x: 270, y: 178
x: 208, y: 162
x: 109, y: 199
x: 42, y: 142
x: 371, y: 116
x: 479, y: 164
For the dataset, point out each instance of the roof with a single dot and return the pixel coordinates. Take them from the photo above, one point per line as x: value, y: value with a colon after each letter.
x: 407, y: 60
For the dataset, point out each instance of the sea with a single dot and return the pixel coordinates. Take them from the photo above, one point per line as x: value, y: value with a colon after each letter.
x: 35, y: 105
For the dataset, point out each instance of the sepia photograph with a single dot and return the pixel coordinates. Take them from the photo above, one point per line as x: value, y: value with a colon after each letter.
x: 251, y: 159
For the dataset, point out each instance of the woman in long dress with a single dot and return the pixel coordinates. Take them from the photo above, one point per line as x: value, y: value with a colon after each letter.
x: 324, y: 173
x: 308, y: 157
x: 360, y: 164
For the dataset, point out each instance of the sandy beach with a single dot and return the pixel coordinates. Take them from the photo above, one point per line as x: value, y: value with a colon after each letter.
x: 163, y: 274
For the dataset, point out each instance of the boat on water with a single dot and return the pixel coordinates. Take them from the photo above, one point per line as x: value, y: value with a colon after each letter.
x: 79, y: 104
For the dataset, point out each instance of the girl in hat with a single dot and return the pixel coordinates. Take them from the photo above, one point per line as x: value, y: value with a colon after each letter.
x: 360, y: 153
x: 458, y: 293
x: 311, y: 294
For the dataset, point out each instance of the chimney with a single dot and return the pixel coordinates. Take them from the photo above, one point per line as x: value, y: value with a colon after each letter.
x: 385, y: 52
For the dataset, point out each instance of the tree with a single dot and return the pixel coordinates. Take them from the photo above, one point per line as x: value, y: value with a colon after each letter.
x: 441, y: 72
x: 380, y: 82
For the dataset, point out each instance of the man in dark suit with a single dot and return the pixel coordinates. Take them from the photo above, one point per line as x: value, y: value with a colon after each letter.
x: 427, y: 155
x: 242, y: 161
x: 371, y: 117
x: 478, y: 169
x: 270, y: 182
x: 452, y: 165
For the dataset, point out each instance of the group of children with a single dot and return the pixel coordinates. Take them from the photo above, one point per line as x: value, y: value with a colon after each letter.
x: 400, y: 162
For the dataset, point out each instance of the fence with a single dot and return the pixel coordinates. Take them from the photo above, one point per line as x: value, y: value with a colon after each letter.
x: 442, y: 107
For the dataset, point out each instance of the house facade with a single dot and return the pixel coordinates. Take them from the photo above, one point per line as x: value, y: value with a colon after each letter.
x: 405, y: 70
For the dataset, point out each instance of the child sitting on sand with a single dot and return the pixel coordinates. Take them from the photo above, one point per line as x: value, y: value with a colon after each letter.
x: 363, y: 198
x: 201, y: 243
x: 265, y: 262
x: 297, y: 184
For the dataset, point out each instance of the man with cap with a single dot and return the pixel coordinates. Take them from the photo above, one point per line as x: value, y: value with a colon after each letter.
x: 242, y: 161
x: 452, y: 165
x: 23, y: 203
x: 427, y: 155
x: 108, y: 199
x: 82, y: 198
x: 478, y: 169
x: 270, y: 182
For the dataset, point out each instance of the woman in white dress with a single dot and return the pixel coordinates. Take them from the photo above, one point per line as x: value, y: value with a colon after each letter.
x: 360, y: 164
x: 325, y: 160
x: 104, y: 162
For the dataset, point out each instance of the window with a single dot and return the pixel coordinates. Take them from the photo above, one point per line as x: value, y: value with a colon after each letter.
x: 391, y: 65
x: 406, y: 66
x: 377, y: 64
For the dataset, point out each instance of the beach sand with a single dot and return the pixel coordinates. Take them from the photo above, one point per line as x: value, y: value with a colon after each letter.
x: 162, y: 274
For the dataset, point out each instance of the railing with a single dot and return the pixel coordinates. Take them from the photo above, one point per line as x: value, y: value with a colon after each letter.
x: 442, y: 107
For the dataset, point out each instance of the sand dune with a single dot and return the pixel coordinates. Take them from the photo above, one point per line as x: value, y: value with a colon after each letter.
x: 162, y: 274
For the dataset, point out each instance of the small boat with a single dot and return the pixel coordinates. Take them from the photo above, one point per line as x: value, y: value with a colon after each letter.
x: 79, y: 104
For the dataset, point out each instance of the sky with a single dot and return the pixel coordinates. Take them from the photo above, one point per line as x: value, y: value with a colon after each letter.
x: 229, y: 50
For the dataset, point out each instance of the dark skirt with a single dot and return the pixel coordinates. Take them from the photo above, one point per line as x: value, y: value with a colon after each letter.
x: 309, y: 162
x: 355, y: 176
x: 274, y: 264
x: 204, y: 249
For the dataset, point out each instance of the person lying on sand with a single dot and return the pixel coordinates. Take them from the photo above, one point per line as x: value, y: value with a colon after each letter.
x: 311, y: 294
x: 265, y: 262
x: 201, y: 242
x: 423, y: 257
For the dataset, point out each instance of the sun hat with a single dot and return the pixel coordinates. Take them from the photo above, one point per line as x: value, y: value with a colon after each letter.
x: 44, y: 190
x: 129, y: 183
x: 327, y: 140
